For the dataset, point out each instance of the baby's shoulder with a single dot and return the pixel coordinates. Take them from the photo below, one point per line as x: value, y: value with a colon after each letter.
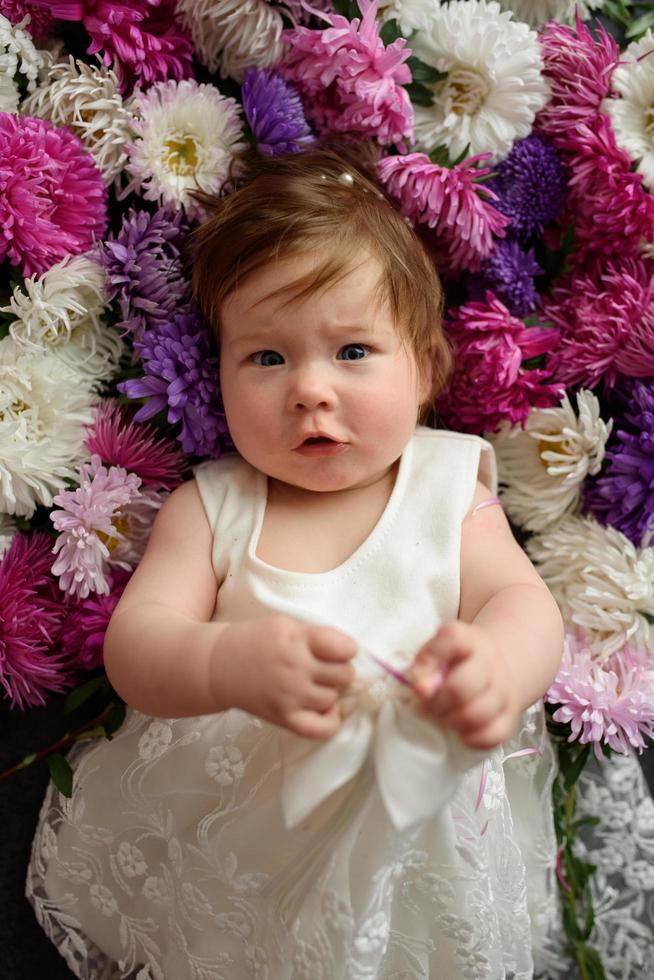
x: 226, y: 486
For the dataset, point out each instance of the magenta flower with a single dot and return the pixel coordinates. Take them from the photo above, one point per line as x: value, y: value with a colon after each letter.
x: 450, y: 201
x: 610, y: 703
x: 31, y: 661
x: 350, y: 82
x: 82, y: 637
x: 490, y: 383
x: 41, y: 21
x: 606, y: 323
x: 143, y: 42
x: 133, y: 446
x: 53, y: 201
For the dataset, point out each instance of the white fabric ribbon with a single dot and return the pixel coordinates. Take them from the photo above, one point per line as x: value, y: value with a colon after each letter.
x: 417, y: 765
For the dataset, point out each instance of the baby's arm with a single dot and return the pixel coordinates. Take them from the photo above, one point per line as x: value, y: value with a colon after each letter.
x: 504, y: 650
x: 165, y: 657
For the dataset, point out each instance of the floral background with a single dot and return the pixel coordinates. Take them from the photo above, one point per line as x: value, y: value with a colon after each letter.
x: 518, y: 139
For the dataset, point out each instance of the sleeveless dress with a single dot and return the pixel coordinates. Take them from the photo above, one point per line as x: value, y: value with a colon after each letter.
x: 225, y: 848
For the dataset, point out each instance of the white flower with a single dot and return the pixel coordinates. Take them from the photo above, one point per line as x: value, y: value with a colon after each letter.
x: 103, y: 899
x: 537, y: 12
x: 86, y: 99
x: 60, y: 312
x: 494, y: 85
x: 7, y: 530
x: 155, y: 740
x: 44, y: 408
x: 231, y: 36
x: 18, y: 56
x: 632, y: 115
x: 411, y: 15
x: 156, y: 890
x: 187, y: 134
x: 131, y: 860
x: 602, y: 582
x: 225, y: 764
x: 544, y: 465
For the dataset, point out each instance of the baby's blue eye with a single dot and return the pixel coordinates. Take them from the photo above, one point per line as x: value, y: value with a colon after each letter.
x: 353, y: 352
x: 267, y: 358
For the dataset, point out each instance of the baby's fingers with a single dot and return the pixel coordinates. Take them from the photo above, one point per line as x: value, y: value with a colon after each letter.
x: 333, y: 675
x: 314, y: 724
x: 465, y: 682
x: 330, y: 644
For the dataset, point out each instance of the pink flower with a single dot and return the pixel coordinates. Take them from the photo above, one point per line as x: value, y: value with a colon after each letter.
x: 40, y: 20
x: 31, y: 662
x: 350, y: 81
x: 53, y: 201
x: 449, y: 201
x: 490, y: 383
x: 143, y: 41
x: 610, y: 702
x: 89, y: 526
x: 82, y: 637
x: 119, y: 441
x: 606, y: 324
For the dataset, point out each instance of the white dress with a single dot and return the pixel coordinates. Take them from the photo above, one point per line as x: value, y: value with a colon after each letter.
x: 224, y: 847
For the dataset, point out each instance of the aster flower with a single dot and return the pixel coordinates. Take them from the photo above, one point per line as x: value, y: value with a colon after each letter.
x: 631, y: 114
x: 44, y: 408
x: 490, y: 383
x: 19, y: 60
x: 134, y: 447
x: 537, y: 12
x: 86, y: 99
x: 623, y: 494
x: 54, y: 202
x: 508, y: 273
x: 449, y: 201
x: 144, y: 270
x: 607, y: 703
x: 411, y: 15
x: 542, y: 467
x: 530, y: 185
x: 274, y: 111
x: 602, y: 582
x: 607, y: 324
x: 142, y: 41
x: 85, y: 625
x: 186, y: 137
x: 230, y: 36
x: 349, y: 80
x: 494, y: 85
x: 7, y: 530
x: 181, y: 378
x: 40, y: 19
x: 31, y: 661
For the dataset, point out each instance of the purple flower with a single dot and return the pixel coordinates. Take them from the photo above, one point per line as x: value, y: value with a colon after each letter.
x: 530, y: 185
x: 144, y: 269
x: 623, y: 494
x: 181, y: 378
x: 274, y: 111
x: 509, y: 273
x: 82, y: 637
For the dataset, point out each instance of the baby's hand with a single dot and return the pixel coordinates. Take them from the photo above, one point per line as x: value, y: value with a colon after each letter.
x: 291, y: 673
x: 463, y: 683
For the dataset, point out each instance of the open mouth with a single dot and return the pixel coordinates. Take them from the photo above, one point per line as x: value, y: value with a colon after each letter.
x: 317, y: 441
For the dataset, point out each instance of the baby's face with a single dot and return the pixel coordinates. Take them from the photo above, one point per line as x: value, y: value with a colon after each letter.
x: 321, y: 393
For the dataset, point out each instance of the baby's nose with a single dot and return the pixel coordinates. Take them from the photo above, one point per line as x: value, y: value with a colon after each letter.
x: 311, y: 389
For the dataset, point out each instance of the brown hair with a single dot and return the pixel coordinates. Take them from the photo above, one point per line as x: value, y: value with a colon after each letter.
x: 287, y: 205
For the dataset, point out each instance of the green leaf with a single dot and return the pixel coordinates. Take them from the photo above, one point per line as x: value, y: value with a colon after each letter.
x: 347, y: 8
x: 390, y: 32
x: 647, y: 616
x: 115, y: 719
x: 27, y: 761
x: 419, y: 94
x: 640, y: 25
x: 574, y: 771
x: 61, y: 774
x: 586, y: 821
x: 617, y: 10
x: 422, y: 72
x: 84, y: 692
x: 592, y: 964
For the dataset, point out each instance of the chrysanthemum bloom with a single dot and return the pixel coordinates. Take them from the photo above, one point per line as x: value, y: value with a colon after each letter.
x: 623, y: 494
x: 537, y: 12
x: 143, y: 42
x: 40, y: 21
x: 181, y: 378
x: 631, y: 114
x: 542, y: 466
x: 44, y: 408
x: 54, y: 202
x: 61, y: 312
x: 610, y: 703
x: 31, y: 660
x: 274, y: 111
x: 490, y: 384
x: 349, y: 80
x: 578, y: 64
x: 187, y: 135
x: 135, y: 447
x: 607, y: 324
x: 144, y: 270
x: 602, y: 582
x: 7, y: 531
x: 230, y: 36
x: 451, y: 201
x: 19, y: 62
x: 83, y: 632
x: 508, y: 273
x: 530, y: 185
x: 411, y: 15
x: 86, y: 99
x: 494, y: 85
